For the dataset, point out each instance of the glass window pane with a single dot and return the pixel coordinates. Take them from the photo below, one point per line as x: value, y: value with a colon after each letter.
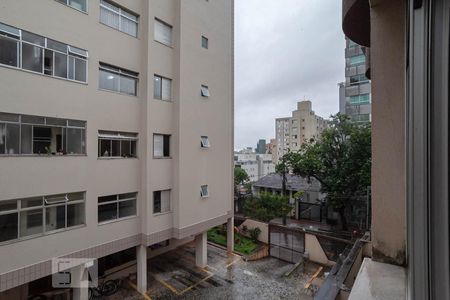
x: 80, y: 70
x: 127, y: 208
x: 33, y: 119
x: 32, y: 58
x: 128, y: 85
x: 75, y: 214
x: 2, y: 138
x: 157, y: 87
x: 166, y: 145
x: 75, y: 196
x: 42, y: 139
x: 133, y: 149
x: 107, y: 198
x: 158, y: 145
x: 127, y: 196
x: 109, y: 81
x: 9, y: 51
x: 163, y: 33
x: 33, y: 38
x: 156, y: 202
x: 78, y: 4
x: 9, y: 29
x: 128, y: 26
x: 109, y: 17
x: 48, y: 62
x: 105, y: 148
x: 74, y: 123
x: 204, y: 42
x: 165, y: 201
x: 107, y: 212
x: 115, y: 148
x: 8, y: 205
x: 31, y: 222
x: 60, y: 65
x: 31, y: 202
x: 12, y: 138
x: 126, y: 149
x: 55, y: 217
x: 166, y: 89
x: 8, y: 227
x: 71, y: 74
x: 74, y: 141
x: 56, y: 45
x: 26, y: 139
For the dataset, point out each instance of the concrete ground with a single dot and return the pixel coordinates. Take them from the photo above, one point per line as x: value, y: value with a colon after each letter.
x: 174, y: 276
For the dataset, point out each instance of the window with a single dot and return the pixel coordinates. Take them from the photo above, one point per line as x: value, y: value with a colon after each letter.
x: 117, y: 144
x: 38, y: 215
x: 162, y: 89
x: 358, y: 79
x: 359, y: 99
x: 118, y: 80
x: 204, y: 192
x: 116, y: 207
x: 354, y: 60
x: 205, y: 91
x: 204, y: 42
x: 118, y: 18
x: 35, y: 53
x: 361, y: 118
x: 161, y: 145
x: 24, y: 134
x: 163, y: 33
x: 204, y: 142
x: 77, y: 4
x: 161, y: 201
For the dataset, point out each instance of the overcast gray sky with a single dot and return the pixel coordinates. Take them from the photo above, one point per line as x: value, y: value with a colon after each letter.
x: 285, y: 51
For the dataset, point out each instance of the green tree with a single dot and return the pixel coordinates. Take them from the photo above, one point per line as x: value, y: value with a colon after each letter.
x: 267, y: 206
x: 340, y: 160
x: 240, y: 178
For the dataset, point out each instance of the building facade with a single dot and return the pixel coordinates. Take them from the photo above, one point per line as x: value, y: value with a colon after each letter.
x: 256, y: 165
x: 114, y: 119
x: 261, y: 147
x: 354, y: 93
x: 292, y: 132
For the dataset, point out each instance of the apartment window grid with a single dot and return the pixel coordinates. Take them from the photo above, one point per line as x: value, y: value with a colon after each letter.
x: 34, y: 53
x: 118, y: 80
x: 359, y: 99
x: 117, y: 144
x: 358, y: 79
x: 80, y: 5
x: 116, y: 207
x: 161, y: 146
x: 35, y: 135
x: 37, y: 216
x: 162, y: 88
x: 163, y: 32
x: 359, y: 59
x: 161, y: 202
x: 362, y: 118
x: 118, y: 18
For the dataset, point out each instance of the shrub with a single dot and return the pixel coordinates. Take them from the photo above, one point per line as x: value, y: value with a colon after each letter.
x: 254, y: 233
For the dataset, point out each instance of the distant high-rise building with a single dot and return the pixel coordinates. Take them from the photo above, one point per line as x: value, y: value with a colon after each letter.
x: 271, y: 148
x: 354, y: 93
x: 261, y: 147
x: 292, y: 132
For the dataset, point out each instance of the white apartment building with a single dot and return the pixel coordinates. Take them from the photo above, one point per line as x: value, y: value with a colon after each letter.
x: 114, y: 119
x: 292, y: 132
x: 256, y: 165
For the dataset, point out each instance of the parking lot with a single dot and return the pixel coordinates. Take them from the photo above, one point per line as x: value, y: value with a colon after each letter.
x: 174, y: 275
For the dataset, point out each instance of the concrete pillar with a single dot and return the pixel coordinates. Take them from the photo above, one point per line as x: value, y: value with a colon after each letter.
x: 141, y: 255
x: 230, y: 234
x: 80, y: 282
x: 201, y: 250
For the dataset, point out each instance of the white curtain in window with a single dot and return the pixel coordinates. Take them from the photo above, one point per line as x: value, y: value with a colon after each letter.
x: 163, y: 33
x: 165, y: 201
x: 129, y: 26
x: 158, y: 145
x: 109, y: 18
x: 166, y: 89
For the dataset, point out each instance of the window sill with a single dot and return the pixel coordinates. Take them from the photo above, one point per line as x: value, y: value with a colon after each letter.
x: 162, y: 213
x: 114, y: 158
x: 162, y: 157
x: 117, y: 220
x: 161, y: 100
x: 40, y: 235
x: 161, y: 43
x: 44, y: 75
x: 118, y: 93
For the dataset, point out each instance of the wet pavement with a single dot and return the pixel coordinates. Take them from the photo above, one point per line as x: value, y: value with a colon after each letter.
x: 174, y: 276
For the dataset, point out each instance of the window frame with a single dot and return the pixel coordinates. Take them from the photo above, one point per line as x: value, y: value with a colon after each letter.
x: 205, y: 142
x: 169, y: 143
x: 120, y: 72
x: 69, y: 124
x: 205, y: 42
x: 204, y: 90
x: 78, y: 54
x: 117, y: 136
x: 162, y: 79
x: 157, y: 20
x: 43, y: 208
x: 202, y: 189
x: 117, y: 201
x: 120, y: 15
x: 170, y: 202
x: 68, y: 5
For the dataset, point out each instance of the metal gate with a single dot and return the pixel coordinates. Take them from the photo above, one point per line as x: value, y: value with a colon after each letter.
x: 286, y: 243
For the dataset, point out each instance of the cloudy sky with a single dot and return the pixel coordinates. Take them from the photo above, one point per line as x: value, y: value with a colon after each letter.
x: 285, y: 51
